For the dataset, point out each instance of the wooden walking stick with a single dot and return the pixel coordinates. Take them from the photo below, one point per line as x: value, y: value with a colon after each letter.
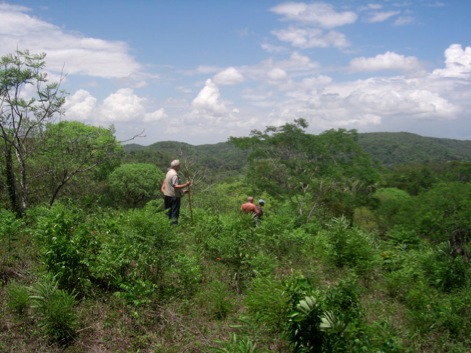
x: 189, y: 203
x: 187, y: 175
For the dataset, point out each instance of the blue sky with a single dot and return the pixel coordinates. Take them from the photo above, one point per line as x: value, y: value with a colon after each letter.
x: 201, y: 71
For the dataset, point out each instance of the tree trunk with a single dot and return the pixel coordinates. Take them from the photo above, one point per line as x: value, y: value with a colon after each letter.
x: 459, y: 240
x: 10, y: 181
x: 23, y: 195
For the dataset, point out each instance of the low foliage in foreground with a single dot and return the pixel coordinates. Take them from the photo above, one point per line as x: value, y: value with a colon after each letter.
x: 121, y: 281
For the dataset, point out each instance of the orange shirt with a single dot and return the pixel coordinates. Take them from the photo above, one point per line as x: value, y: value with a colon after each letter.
x: 249, y: 207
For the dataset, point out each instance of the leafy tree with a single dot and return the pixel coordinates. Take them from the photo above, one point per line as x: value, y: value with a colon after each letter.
x: 72, y: 150
x: 457, y: 171
x: 328, y: 171
x: 394, y: 207
x: 413, y: 178
x: 135, y: 184
x: 27, y: 102
x: 443, y: 214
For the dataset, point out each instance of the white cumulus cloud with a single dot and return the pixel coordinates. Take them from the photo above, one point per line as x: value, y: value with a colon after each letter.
x: 228, y: 76
x: 80, y: 106
x: 457, y: 61
x: 386, y: 61
x: 122, y: 106
x: 72, y: 52
x: 276, y: 75
x: 208, y: 101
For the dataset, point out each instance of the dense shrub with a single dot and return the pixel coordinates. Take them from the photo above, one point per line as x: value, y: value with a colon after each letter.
x: 268, y: 301
x: 133, y: 185
x: 431, y: 312
x: 313, y: 320
x: 445, y: 271
x: 404, y: 237
x: 345, y: 246
x: 444, y: 214
x: 54, y: 311
x: 232, y: 240
x: 10, y: 225
x: 280, y: 237
x: 67, y: 244
x: 113, y: 250
x: 392, y: 209
x: 218, y: 300
x: 18, y: 298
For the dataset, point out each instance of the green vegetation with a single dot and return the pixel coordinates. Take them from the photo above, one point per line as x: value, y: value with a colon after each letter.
x: 352, y: 255
x: 135, y: 184
x: 403, y: 148
x: 404, y: 151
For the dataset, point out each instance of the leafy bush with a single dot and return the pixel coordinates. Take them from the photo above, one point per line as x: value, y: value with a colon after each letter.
x: 444, y: 315
x: 444, y: 214
x: 137, y: 293
x: 66, y: 244
x: 9, y: 228
x: 279, y: 236
x: 183, y: 275
x: 17, y: 298
x: 233, y: 240
x: 54, y: 311
x: 403, y: 273
x: 108, y: 249
x: 445, y: 271
x: 151, y: 244
x: 365, y: 218
x: 343, y: 320
x: 264, y: 264
x: 290, y: 307
x: 343, y: 300
x: 114, y: 253
x: 403, y: 236
x: 267, y: 300
x: 349, y: 247
x: 133, y: 185
x: 304, y: 326
x: 455, y: 315
x: 330, y: 320
x: 393, y: 207
x: 218, y: 299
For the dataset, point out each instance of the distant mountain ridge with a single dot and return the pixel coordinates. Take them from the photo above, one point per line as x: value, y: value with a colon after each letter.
x: 387, y: 148
x: 396, y: 148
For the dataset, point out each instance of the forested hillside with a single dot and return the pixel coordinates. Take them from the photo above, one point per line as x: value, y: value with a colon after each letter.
x: 216, y: 161
x: 388, y: 148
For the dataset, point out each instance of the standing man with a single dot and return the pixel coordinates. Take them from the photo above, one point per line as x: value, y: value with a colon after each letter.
x: 173, y: 191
